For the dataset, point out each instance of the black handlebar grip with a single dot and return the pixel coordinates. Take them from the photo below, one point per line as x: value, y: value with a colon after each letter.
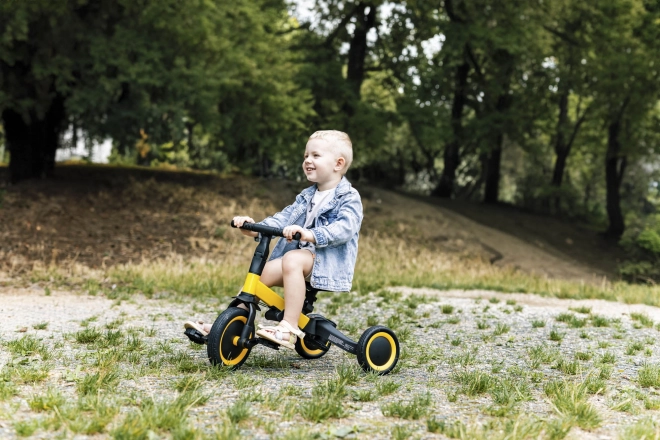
x: 263, y: 229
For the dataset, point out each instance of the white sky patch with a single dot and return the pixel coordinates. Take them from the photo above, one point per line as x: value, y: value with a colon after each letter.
x: 414, y: 75
x: 433, y: 46
x: 549, y: 63
x: 98, y: 153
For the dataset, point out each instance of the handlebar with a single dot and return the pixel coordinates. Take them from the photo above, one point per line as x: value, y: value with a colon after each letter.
x: 263, y: 229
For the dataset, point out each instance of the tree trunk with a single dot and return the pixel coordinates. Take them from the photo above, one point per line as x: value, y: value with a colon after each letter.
x: 561, y: 149
x: 445, y: 187
x: 504, y: 60
x: 357, y: 51
x: 492, y: 171
x: 32, y: 145
x: 615, y: 165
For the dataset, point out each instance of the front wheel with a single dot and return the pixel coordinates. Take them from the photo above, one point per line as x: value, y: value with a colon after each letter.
x: 378, y: 350
x: 222, y: 347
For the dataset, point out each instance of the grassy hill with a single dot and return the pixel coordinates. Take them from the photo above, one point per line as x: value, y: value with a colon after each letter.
x: 110, y: 219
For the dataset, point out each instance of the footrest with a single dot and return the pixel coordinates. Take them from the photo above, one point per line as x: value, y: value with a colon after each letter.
x: 268, y: 343
x: 195, y: 336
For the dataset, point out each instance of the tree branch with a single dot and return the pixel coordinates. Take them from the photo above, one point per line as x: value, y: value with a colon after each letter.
x: 563, y: 35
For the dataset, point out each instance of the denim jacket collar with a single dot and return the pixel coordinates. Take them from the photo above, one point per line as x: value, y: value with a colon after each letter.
x: 343, y: 187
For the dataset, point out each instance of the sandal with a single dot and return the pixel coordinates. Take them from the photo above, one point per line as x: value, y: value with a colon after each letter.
x: 199, y: 326
x: 275, y: 334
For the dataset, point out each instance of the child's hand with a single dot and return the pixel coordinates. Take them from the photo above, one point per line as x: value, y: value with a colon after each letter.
x: 305, y: 234
x: 240, y: 220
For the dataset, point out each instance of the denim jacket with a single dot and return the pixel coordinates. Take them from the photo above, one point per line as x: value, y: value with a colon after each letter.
x: 336, y: 232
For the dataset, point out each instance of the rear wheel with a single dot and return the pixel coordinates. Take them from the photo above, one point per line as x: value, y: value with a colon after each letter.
x: 308, y: 348
x: 378, y: 350
x: 222, y: 347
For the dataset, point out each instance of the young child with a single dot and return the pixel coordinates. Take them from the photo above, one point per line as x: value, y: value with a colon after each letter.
x: 328, y: 216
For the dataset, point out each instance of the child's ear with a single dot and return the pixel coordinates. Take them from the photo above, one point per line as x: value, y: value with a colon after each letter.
x: 340, y: 164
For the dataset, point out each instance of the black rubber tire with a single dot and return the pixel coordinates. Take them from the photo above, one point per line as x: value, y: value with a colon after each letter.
x: 221, y: 347
x: 310, y: 352
x: 378, y: 350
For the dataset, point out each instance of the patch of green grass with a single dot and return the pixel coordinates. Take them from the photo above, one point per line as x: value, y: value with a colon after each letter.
x: 634, y: 347
x: 624, y: 403
x: 154, y: 416
x: 88, y: 335
x: 318, y: 410
x: 568, y: 367
x: 386, y: 387
x: 402, y: 432
x: 447, y: 309
x: 643, y: 319
x: 363, y: 395
x: 238, y: 411
x: 501, y: 328
x: 607, y: 358
x: 415, y: 409
x: 647, y: 428
x: 564, y: 317
x: 40, y: 326
x: 583, y: 355
x: 482, y: 324
x: 581, y: 309
x: 28, y: 345
x: 465, y: 358
x: 493, y: 300
x: 473, y: 382
x: 538, y: 323
x: 556, y: 335
x: 25, y: 428
x: 93, y: 383
x: 453, y: 320
x: 649, y: 375
x: 30, y: 374
x: 569, y: 399
x: 599, y: 321
x: 48, y: 401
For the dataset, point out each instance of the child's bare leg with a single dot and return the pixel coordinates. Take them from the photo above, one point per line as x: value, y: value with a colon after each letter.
x: 296, y: 265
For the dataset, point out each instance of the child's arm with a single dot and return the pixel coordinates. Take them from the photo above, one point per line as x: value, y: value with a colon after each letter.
x: 281, y: 219
x: 344, y: 227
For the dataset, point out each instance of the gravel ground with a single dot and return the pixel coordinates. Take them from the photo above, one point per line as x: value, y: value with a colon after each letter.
x: 431, y: 345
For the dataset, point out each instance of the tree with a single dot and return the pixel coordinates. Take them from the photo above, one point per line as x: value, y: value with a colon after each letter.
x: 163, y: 67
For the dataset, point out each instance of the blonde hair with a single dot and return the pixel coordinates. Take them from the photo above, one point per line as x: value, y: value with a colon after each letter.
x: 340, y: 144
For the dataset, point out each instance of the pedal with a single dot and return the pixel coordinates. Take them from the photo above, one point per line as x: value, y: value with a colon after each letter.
x: 274, y: 314
x: 195, y: 336
x: 268, y: 343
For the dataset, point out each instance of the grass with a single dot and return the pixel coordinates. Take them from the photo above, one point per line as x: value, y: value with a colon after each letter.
x: 419, y: 406
x: 649, y: 376
x: 112, y: 365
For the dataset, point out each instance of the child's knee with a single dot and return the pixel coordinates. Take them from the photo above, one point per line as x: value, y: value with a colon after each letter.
x: 295, y: 260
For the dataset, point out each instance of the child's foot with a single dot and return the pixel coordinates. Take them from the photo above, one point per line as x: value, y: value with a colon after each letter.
x: 283, y: 334
x: 204, y: 329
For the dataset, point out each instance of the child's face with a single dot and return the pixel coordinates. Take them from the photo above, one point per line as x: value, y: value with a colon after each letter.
x: 321, y: 164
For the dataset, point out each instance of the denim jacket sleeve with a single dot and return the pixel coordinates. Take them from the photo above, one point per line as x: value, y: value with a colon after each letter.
x: 345, y: 226
x: 279, y: 219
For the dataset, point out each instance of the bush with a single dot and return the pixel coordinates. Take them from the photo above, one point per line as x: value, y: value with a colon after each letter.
x: 642, y: 242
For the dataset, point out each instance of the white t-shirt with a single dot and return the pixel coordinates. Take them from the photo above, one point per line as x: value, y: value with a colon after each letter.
x: 320, y: 198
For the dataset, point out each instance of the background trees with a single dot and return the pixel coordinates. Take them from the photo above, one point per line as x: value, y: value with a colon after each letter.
x: 551, y: 106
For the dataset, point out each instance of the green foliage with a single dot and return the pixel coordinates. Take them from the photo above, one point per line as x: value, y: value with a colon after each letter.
x: 642, y: 241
